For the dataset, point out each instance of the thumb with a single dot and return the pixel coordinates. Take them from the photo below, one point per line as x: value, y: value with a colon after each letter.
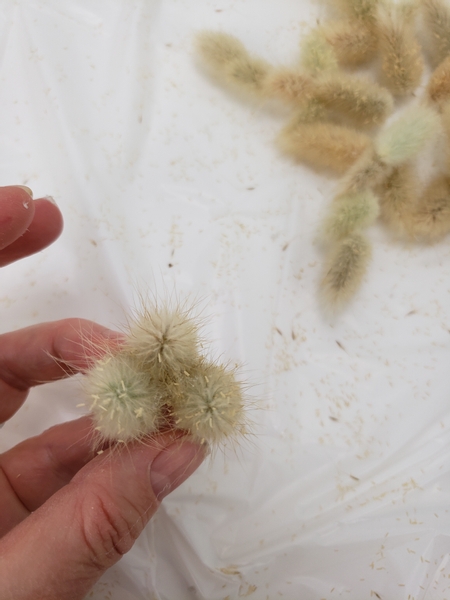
x: 65, y: 546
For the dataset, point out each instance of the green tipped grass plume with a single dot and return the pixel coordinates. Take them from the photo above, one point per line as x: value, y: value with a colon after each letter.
x: 209, y: 404
x: 402, y: 140
x: 362, y: 101
x: 317, y: 55
x: 352, y: 42
x: 438, y: 88
x: 350, y: 213
x: 398, y: 196
x: 344, y: 271
x: 164, y: 341
x: 430, y: 220
x: 323, y: 145
x: 437, y: 21
x: 402, y: 64
x: 227, y: 59
x: 125, y: 404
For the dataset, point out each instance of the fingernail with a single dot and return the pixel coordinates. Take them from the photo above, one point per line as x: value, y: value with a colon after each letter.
x: 26, y: 188
x: 174, y: 465
x: 51, y: 199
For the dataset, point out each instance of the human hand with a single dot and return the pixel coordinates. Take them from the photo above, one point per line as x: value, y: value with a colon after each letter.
x: 66, y: 513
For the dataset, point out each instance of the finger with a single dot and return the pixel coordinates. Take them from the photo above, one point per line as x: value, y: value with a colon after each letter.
x: 43, y: 230
x: 67, y: 544
x: 47, y: 352
x: 32, y: 471
x: 16, y: 213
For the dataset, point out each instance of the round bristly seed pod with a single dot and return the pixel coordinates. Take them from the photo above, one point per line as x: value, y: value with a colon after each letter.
x: 125, y: 404
x: 165, y: 342
x: 209, y: 404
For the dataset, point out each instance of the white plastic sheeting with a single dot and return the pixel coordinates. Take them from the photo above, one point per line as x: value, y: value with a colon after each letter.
x: 166, y: 183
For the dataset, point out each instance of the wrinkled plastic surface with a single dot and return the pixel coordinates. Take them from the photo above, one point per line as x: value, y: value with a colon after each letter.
x: 168, y: 183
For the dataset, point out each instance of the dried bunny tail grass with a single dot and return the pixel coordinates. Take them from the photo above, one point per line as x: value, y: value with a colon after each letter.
x: 344, y: 271
x: 349, y: 213
x: 438, y: 88
x: 430, y: 220
x: 352, y: 42
x: 317, y: 55
x: 402, y: 64
x: 125, y: 404
x: 210, y: 404
x: 402, y: 140
x: 227, y: 59
x: 445, y: 120
x: 362, y: 10
x: 366, y: 173
x: 437, y: 22
x: 289, y: 85
x: 364, y: 102
x: 323, y: 145
x: 165, y: 341
x: 398, y: 196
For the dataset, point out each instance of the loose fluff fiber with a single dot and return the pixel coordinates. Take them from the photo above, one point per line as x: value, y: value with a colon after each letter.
x: 165, y: 342
x: 125, y: 404
x: 405, y: 138
x: 438, y: 88
x: 324, y: 145
x: 401, y: 59
x: 352, y: 42
x: 210, y: 404
x: 437, y: 21
x: 430, y: 220
x: 398, y: 195
x: 359, y: 99
x: 227, y: 59
x: 345, y: 268
x: 350, y: 213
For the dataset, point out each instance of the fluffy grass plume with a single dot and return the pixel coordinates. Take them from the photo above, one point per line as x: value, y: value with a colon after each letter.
x: 437, y: 21
x: 353, y: 42
x: 401, y: 59
x: 349, y: 213
x: 164, y: 341
x: 125, y: 404
x: 364, y: 102
x: 317, y: 55
x: 431, y: 218
x: 402, y: 140
x: 289, y: 85
x: 398, y: 196
x: 227, y: 59
x: 438, y: 88
x: 344, y: 271
x: 362, y: 10
x: 323, y: 145
x: 445, y: 120
x: 366, y: 173
x: 209, y: 404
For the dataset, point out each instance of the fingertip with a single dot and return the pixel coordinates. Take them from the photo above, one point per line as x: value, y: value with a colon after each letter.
x: 17, y: 211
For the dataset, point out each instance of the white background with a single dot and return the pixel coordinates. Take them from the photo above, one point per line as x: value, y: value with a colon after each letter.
x: 344, y: 490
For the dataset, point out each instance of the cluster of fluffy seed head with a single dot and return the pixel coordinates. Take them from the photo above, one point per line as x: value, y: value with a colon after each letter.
x: 334, y: 109
x: 158, y: 378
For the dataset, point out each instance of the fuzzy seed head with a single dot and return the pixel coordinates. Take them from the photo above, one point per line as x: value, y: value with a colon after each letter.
x: 398, y: 195
x: 317, y: 56
x: 164, y: 342
x: 367, y: 172
x: 363, y: 10
x: 437, y: 20
x: 218, y: 49
x: 405, y: 138
x: 289, y: 85
x: 353, y: 43
x: 344, y: 271
x: 364, y: 102
x: 324, y: 145
x: 439, y: 85
x: 125, y: 405
x: 431, y: 218
x: 401, y: 59
x: 210, y: 404
x: 350, y: 213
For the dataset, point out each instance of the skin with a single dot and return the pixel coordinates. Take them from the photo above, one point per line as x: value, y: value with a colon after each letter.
x: 67, y: 514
